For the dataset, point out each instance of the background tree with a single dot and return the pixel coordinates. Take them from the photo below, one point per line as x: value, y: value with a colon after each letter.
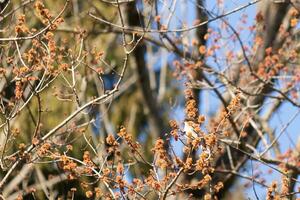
x: 149, y: 99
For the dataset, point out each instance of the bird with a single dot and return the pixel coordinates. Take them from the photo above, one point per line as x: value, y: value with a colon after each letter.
x: 190, y: 133
x: 189, y: 130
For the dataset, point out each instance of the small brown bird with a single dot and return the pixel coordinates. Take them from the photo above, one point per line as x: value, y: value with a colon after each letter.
x: 191, y: 134
x: 189, y: 130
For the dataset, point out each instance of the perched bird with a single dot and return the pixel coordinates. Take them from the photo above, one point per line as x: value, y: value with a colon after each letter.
x: 191, y: 134
x: 189, y: 130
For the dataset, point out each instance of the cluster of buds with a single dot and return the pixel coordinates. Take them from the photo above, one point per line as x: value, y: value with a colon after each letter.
x: 192, y: 125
